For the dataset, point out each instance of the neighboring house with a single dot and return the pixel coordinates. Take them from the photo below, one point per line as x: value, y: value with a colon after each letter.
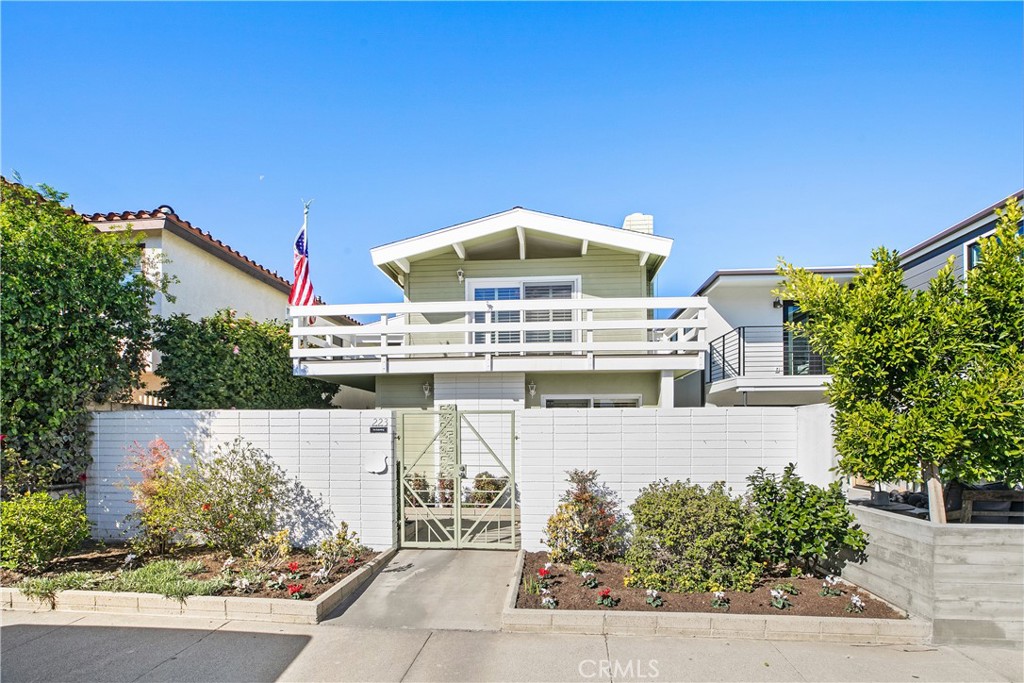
x: 921, y: 261
x: 208, y: 276
x: 752, y: 359
x: 517, y: 309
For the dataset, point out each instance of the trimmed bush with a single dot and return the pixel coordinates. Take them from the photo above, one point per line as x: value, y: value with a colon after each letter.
x: 588, y: 523
x: 36, y: 529
x: 688, y: 539
x: 796, y: 524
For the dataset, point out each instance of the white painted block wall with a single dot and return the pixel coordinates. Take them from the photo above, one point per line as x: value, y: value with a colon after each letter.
x: 331, y: 452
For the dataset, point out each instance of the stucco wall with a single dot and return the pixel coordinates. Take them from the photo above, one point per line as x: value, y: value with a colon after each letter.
x: 738, y: 305
x: 207, y: 284
x: 587, y: 384
x: 968, y: 579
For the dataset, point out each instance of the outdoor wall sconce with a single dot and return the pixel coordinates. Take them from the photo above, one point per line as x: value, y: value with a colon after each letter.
x: 426, y: 390
x: 532, y: 386
x: 461, y: 274
x: 776, y: 302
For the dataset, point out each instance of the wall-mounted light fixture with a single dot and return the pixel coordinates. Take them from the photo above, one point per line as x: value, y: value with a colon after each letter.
x: 461, y: 274
x: 426, y: 390
x: 776, y: 302
x: 532, y: 386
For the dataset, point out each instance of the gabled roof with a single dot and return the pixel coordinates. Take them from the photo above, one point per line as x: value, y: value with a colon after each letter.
x: 519, y: 224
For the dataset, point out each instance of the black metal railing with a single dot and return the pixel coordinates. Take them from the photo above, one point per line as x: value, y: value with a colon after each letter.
x: 761, y: 351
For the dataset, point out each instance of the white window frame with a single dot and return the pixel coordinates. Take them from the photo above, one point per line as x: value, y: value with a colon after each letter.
x: 968, y: 245
x: 591, y: 398
x: 474, y: 282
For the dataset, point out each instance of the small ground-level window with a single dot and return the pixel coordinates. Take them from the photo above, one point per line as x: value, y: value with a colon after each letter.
x: 591, y: 401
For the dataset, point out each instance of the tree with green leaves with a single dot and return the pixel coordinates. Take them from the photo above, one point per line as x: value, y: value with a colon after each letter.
x: 76, y: 326
x: 926, y: 385
x: 224, y: 361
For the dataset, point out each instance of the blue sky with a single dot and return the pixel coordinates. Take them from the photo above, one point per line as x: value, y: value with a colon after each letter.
x: 750, y: 131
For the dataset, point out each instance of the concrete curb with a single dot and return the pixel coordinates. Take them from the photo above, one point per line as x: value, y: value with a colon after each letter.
x: 912, y: 631
x: 204, y: 606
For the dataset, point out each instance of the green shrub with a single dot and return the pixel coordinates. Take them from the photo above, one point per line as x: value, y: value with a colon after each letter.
x: 798, y: 524
x: 686, y: 538
x: 154, y: 493
x: 36, y: 528
x: 230, y: 501
x: 587, y: 523
x: 486, y: 488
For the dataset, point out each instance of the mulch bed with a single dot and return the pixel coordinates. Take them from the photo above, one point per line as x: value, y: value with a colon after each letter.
x: 99, y: 557
x: 566, y: 588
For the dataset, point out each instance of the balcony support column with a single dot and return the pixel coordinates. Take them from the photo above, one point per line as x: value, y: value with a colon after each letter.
x: 667, y: 396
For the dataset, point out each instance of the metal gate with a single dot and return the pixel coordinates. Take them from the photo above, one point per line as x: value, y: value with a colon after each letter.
x: 456, y: 479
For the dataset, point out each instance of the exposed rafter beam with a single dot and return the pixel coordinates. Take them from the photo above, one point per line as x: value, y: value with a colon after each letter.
x: 583, y: 247
x: 460, y: 250
x: 521, y: 234
x: 403, y: 263
x: 643, y: 258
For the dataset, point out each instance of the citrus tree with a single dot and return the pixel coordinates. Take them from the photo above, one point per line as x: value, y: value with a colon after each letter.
x: 76, y: 327
x: 926, y: 385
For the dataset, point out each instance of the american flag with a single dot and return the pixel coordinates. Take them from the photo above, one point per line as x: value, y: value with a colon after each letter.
x: 302, y: 288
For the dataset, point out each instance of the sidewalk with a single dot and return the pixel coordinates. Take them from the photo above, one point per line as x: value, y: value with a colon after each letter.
x: 61, y: 646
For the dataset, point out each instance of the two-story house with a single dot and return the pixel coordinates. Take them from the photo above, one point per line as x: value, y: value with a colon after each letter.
x: 520, y: 309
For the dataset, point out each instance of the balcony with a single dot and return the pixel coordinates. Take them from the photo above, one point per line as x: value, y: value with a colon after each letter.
x: 766, y: 360
x: 501, y: 336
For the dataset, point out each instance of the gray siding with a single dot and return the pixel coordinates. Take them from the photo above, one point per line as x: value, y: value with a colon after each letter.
x: 921, y: 267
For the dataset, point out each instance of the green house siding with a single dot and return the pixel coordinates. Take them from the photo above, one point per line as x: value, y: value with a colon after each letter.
x: 604, y: 273
x: 403, y: 391
x: 589, y: 384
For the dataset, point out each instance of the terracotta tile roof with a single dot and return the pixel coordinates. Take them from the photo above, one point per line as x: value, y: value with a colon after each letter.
x: 202, y: 239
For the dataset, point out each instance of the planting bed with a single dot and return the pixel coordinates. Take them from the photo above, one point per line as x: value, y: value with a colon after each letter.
x: 566, y: 588
x: 108, y: 559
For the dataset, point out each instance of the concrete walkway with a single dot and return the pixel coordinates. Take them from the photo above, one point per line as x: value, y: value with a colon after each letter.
x: 433, y: 589
x: 62, y: 646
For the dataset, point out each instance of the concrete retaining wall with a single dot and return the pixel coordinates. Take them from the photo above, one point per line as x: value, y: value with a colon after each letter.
x: 967, y: 579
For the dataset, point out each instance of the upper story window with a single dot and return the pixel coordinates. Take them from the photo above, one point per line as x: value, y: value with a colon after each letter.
x: 489, y: 289
x: 973, y: 250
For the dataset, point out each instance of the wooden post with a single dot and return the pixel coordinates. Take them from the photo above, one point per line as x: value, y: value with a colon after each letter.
x: 936, y: 499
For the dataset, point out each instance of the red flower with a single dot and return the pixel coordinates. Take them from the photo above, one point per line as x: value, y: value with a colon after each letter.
x: 294, y: 588
x: 293, y: 567
x: 542, y: 572
x: 605, y: 592
x: 82, y: 477
x: 206, y: 507
x: 351, y: 560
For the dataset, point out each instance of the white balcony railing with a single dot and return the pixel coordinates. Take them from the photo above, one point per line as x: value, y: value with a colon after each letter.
x: 586, y: 328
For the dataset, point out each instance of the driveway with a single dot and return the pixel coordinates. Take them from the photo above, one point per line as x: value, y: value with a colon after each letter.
x: 433, y: 589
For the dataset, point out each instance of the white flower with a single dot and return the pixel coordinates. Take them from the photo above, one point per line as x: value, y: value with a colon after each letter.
x: 545, y: 591
x: 548, y: 602
x: 856, y: 601
x: 720, y: 595
x: 319, y: 576
x: 241, y: 584
x: 776, y: 593
x: 651, y: 593
x: 129, y: 558
x: 831, y: 580
x: 548, y: 566
x: 228, y: 563
x: 587, y: 575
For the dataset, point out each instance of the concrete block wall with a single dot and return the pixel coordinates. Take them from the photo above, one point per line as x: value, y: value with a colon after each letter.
x: 632, y: 448
x: 967, y: 578
x: 331, y: 452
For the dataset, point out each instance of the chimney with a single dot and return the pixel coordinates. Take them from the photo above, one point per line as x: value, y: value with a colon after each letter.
x: 639, y: 222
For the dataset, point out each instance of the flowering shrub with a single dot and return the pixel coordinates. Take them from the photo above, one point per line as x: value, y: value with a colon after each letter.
x: 719, y: 601
x: 779, y: 599
x: 295, y: 591
x: 35, y: 529
x: 605, y: 599
x: 269, y: 552
x: 587, y: 523
x: 856, y: 605
x: 154, y: 490
x: 342, y: 547
x: 688, y: 539
x: 830, y: 587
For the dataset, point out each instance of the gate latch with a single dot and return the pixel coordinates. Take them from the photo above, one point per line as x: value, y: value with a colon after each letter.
x: 462, y: 471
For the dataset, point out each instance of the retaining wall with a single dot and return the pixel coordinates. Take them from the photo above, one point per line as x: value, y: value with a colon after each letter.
x: 967, y: 578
